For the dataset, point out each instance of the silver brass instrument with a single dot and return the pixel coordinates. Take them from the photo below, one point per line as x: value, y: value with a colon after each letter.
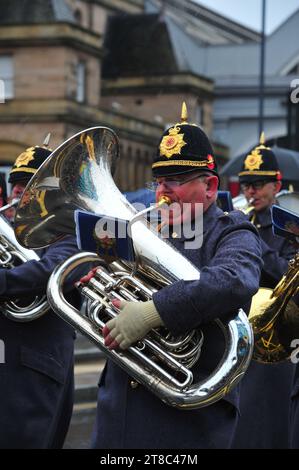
x: 286, y: 199
x: 240, y: 203
x: 78, y: 174
x: 13, y: 254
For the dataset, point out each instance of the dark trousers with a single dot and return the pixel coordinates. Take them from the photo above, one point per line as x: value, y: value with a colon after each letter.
x: 134, y: 418
x: 265, y: 407
x: 294, y: 437
x: 36, y: 400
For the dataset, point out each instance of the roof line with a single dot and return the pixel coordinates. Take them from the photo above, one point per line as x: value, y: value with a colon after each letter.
x: 213, y: 16
x: 281, y: 25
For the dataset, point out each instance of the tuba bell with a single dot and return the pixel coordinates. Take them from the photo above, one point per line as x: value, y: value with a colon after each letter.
x: 79, y: 174
x: 12, y: 254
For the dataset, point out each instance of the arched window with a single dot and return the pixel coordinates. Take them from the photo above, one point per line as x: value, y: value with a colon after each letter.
x: 81, y: 81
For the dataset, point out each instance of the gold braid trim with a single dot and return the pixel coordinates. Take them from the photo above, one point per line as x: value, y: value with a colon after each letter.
x: 181, y: 163
x: 257, y: 173
x: 23, y: 169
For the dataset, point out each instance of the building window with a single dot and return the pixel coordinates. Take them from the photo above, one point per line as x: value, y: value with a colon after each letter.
x: 81, y: 82
x: 78, y: 16
x: 199, y: 115
x: 7, y: 77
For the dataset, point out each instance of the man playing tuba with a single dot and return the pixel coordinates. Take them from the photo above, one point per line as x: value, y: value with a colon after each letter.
x: 228, y: 255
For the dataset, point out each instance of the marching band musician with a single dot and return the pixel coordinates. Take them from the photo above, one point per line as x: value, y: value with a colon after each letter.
x: 129, y: 416
x: 266, y: 388
x: 36, y: 393
x: 3, y: 191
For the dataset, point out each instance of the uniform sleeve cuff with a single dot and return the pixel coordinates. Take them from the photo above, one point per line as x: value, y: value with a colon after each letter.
x: 150, y: 315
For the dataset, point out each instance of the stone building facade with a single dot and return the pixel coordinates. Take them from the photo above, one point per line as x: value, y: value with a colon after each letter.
x: 72, y: 64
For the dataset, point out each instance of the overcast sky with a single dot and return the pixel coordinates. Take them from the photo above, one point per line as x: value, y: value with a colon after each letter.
x: 248, y: 12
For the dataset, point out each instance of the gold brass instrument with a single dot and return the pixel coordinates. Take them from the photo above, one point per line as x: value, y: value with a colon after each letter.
x: 273, y: 315
x: 12, y: 254
x: 275, y: 319
x: 78, y: 174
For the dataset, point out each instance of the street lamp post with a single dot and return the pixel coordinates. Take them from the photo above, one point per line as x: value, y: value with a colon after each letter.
x: 262, y: 71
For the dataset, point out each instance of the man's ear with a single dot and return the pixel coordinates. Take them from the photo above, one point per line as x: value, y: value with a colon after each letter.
x: 278, y: 185
x: 212, y: 186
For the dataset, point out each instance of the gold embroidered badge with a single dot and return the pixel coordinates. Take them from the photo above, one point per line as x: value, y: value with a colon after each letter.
x: 253, y: 161
x: 25, y: 157
x: 106, y: 246
x: 172, y: 144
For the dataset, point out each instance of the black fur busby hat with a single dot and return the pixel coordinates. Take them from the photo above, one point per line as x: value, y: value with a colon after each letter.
x: 183, y: 148
x: 27, y: 163
x: 260, y: 164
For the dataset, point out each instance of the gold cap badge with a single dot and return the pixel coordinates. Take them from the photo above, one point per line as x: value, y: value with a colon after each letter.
x: 254, y: 160
x: 172, y: 144
x: 25, y: 157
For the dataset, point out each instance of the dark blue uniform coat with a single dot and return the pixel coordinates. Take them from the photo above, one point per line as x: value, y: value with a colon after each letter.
x: 36, y: 393
x: 266, y: 388
x: 294, y: 435
x: 132, y: 417
x: 295, y: 399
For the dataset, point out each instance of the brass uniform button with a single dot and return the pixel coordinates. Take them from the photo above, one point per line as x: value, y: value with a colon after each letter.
x: 258, y: 226
x: 133, y: 384
x: 174, y: 235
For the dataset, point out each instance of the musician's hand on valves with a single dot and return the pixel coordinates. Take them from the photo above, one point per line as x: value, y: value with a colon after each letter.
x: 134, y: 321
x: 89, y: 275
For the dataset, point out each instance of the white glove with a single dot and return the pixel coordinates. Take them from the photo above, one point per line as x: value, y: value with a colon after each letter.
x: 134, y: 321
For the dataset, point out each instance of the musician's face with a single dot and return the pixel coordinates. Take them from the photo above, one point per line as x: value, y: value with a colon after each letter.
x: 263, y: 196
x: 185, y: 192
x: 18, y: 189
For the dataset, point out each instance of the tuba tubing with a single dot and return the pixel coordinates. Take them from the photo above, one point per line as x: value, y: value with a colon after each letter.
x: 13, y: 254
x: 235, y: 360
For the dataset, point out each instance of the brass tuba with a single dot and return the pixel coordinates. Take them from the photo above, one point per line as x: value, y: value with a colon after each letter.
x: 275, y: 318
x: 78, y: 174
x: 12, y: 254
x: 274, y: 314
